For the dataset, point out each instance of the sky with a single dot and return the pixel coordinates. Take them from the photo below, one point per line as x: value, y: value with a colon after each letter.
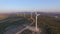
x: 16, y: 5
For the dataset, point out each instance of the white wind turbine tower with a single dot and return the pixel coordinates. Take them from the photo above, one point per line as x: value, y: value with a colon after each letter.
x: 24, y: 14
x: 31, y: 14
x: 36, y: 25
x: 35, y: 29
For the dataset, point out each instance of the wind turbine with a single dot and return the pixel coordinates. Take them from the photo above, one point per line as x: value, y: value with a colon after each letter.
x: 35, y: 30
x: 36, y: 20
x: 24, y: 14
